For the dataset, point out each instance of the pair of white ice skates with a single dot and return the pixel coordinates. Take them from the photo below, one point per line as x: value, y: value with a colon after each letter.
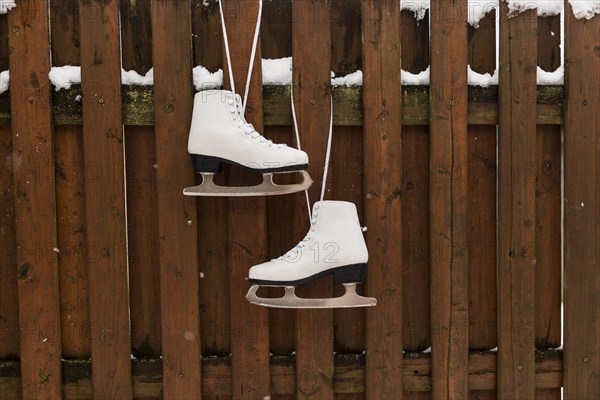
x: 334, y: 244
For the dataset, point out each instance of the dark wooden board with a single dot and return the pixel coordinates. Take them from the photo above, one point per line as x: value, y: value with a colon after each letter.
x: 311, y: 34
x: 581, y: 208
x: 70, y: 201
x: 36, y: 259
x: 516, y: 250
x: 415, y: 195
x: 482, y: 169
x: 178, y: 241
x: 448, y: 202
x: 382, y: 141
x: 247, y: 221
x: 105, y: 199
x: 142, y: 214
x: 548, y: 295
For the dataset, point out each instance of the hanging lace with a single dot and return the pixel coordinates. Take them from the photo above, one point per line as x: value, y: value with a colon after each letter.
x: 236, y: 108
x: 296, y: 251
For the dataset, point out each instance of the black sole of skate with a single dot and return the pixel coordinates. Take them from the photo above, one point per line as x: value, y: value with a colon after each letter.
x: 210, y: 164
x: 346, y: 274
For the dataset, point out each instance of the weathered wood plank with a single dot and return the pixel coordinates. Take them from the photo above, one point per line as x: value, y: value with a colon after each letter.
x: 178, y: 241
x: 247, y: 221
x: 481, y: 168
x: 70, y: 202
x: 516, y: 205
x: 548, y: 295
x: 348, y: 377
x: 9, y: 305
x: 105, y: 199
x: 35, y: 203
x: 382, y: 177
x: 448, y: 204
x: 142, y: 213
x: 311, y: 35
x: 212, y: 211
x: 582, y: 210
x: 138, y: 106
x: 416, y: 253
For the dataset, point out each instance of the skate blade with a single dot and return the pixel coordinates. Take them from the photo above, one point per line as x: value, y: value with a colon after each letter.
x: 349, y: 299
x: 266, y: 188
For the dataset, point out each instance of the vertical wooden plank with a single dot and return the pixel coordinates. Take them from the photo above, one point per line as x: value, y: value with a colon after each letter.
x: 516, y: 204
x: 276, y: 40
x: 70, y: 202
x: 482, y: 170
x: 9, y: 306
x: 582, y: 211
x: 247, y: 223
x: 105, y: 199
x: 415, y: 198
x: 449, y: 190
x: 178, y: 252
x: 346, y: 57
x: 212, y: 211
x: 347, y: 175
x: 311, y: 35
x: 383, y: 174
x: 142, y: 217
x: 548, y: 294
x: 35, y: 206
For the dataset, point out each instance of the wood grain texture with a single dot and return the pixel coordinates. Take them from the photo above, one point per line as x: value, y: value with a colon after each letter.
x: 516, y: 250
x: 70, y: 199
x: 142, y: 213
x: 383, y: 175
x: 349, y: 376
x: 178, y: 251
x: 35, y: 204
x: 212, y: 211
x: 415, y: 196
x: 582, y: 211
x: 548, y: 294
x: 482, y: 169
x: 9, y: 305
x: 311, y: 35
x: 247, y: 221
x: 105, y: 199
x: 449, y: 190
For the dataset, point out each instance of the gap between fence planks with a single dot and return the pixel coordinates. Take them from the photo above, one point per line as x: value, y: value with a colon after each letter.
x: 383, y: 175
x: 247, y: 220
x: 178, y: 251
x: 35, y: 205
x: 516, y: 205
x: 311, y: 50
x: 448, y: 204
x: 582, y: 211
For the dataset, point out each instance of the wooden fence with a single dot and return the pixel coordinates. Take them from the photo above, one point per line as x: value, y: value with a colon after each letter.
x: 115, y: 286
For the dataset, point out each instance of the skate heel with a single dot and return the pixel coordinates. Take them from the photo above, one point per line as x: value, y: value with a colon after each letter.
x: 206, y: 164
x: 350, y: 273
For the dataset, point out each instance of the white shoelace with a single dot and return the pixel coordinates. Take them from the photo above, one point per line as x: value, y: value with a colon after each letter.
x: 312, y: 217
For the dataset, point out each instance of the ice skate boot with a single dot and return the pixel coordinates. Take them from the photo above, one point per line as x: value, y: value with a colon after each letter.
x: 220, y: 134
x: 334, y: 246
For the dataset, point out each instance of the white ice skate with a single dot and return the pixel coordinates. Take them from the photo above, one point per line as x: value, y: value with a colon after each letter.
x: 220, y: 134
x: 334, y: 246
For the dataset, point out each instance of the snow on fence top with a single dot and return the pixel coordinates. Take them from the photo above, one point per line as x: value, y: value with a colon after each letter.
x: 477, y: 9
x: 6, y: 5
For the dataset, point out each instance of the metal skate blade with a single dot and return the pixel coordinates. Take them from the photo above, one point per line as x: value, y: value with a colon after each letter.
x: 350, y: 299
x: 266, y: 188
